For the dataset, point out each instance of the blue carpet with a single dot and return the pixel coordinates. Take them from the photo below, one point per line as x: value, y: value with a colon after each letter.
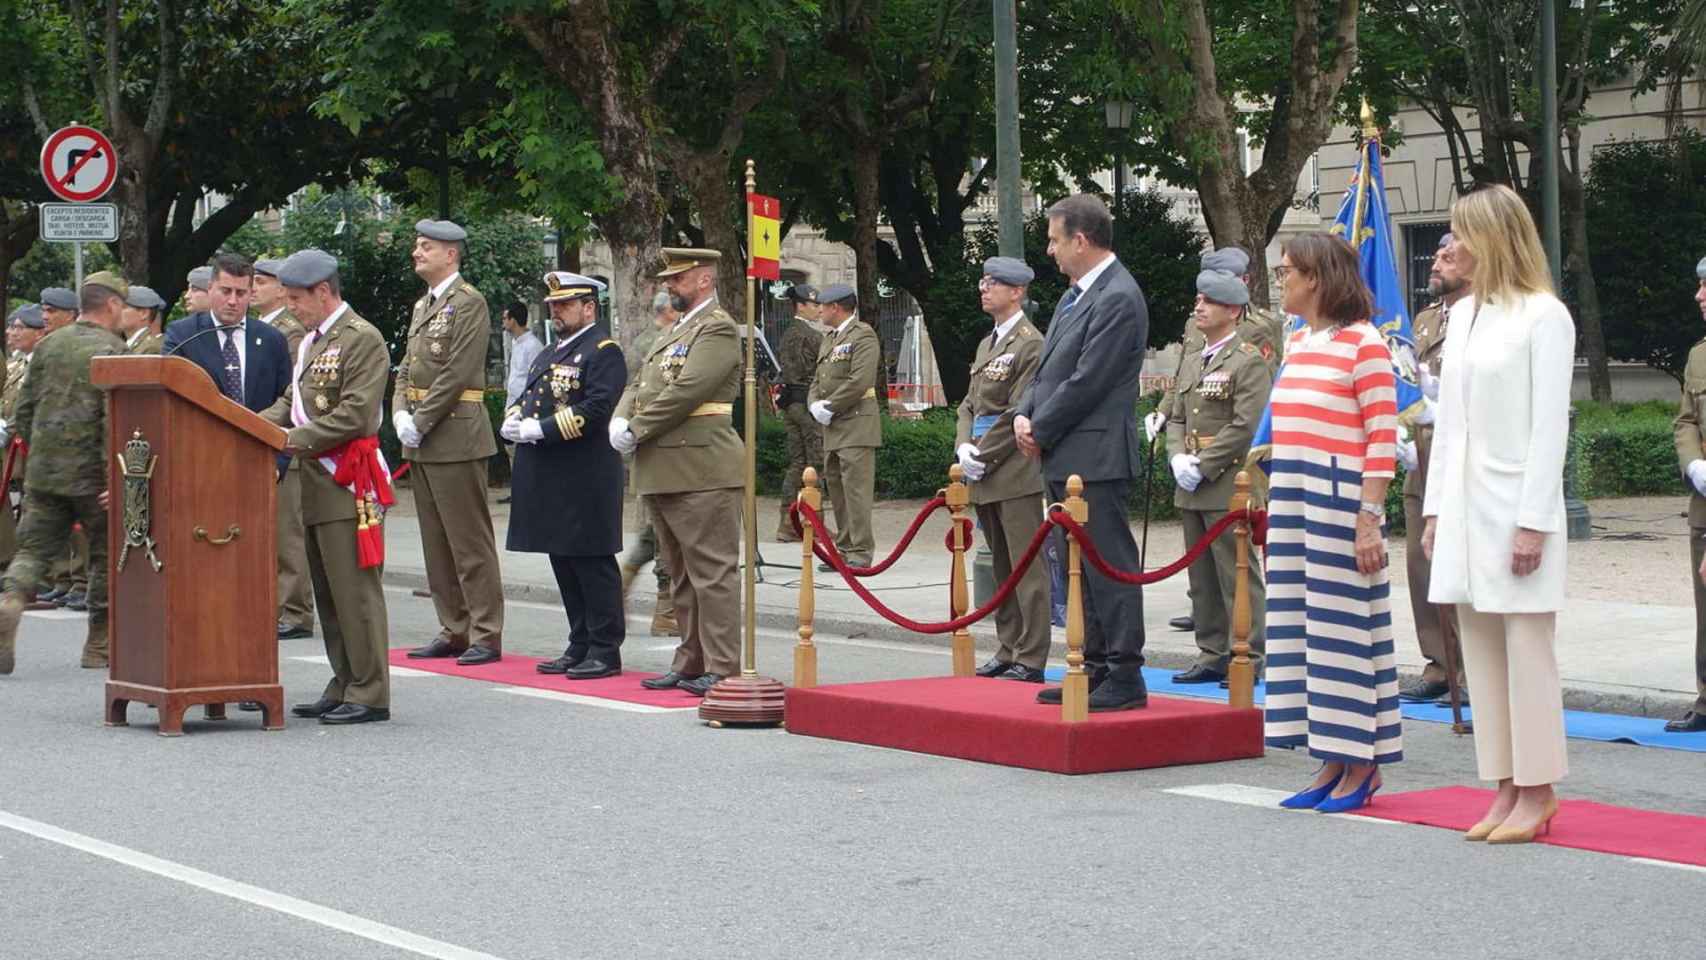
x: 1578, y: 724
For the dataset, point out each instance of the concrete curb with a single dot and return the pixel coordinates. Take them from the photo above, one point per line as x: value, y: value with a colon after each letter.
x: 1594, y: 698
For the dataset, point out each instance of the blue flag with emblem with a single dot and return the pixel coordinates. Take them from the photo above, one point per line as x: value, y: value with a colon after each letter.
x: 1363, y: 216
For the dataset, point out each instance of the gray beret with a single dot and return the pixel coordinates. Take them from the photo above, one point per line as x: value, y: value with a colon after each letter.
x: 1009, y: 270
x: 1222, y: 287
x: 1230, y: 259
x: 60, y: 298
x: 835, y: 293
x: 802, y: 293
x: 29, y: 315
x: 1700, y: 268
x: 201, y: 278
x: 144, y: 298
x: 269, y: 266
x: 304, y: 268
x: 1445, y: 239
x: 442, y: 230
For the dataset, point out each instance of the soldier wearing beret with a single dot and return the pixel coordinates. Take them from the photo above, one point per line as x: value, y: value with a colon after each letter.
x: 677, y: 422
x: 844, y: 401
x: 1006, y: 486
x: 139, y: 322
x: 1691, y: 457
x: 295, y: 592
x: 58, y: 307
x: 62, y: 416
x: 23, y: 330
x: 1220, y: 394
x: 197, y: 285
x: 439, y: 410
x: 800, y: 345
x: 561, y: 430
x: 332, y: 414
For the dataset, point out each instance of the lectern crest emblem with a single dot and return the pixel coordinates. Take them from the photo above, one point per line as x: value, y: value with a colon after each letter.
x: 136, y: 463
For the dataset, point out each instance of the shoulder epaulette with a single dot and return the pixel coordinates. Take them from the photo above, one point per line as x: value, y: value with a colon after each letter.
x: 465, y: 288
x: 1025, y: 331
x: 607, y: 343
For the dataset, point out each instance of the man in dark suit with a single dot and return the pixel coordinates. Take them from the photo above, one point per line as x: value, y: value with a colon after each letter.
x: 1080, y: 417
x: 249, y: 362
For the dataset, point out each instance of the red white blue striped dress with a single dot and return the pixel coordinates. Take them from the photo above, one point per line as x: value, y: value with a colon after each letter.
x: 1332, y: 680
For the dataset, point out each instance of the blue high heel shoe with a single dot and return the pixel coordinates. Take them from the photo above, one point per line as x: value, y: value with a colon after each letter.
x: 1310, y: 798
x: 1355, y: 800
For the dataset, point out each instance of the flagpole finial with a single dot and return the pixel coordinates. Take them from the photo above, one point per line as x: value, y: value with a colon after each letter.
x: 751, y: 176
x: 1369, y: 130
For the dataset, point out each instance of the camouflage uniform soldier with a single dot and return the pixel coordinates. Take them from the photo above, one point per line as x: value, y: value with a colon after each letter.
x: 645, y: 549
x: 800, y: 344
x: 63, y: 417
x: 68, y: 579
x: 22, y: 333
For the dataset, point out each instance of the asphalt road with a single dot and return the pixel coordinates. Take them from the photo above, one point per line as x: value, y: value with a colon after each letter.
x: 483, y: 824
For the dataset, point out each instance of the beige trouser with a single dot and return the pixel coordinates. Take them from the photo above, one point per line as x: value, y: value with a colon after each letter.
x: 1430, y: 635
x: 805, y: 449
x: 1519, y: 703
x: 1697, y: 553
x: 699, y: 537
x: 1022, y: 623
x: 295, y: 589
x: 461, y: 551
x: 353, y: 619
x: 851, y: 475
x: 1214, y: 586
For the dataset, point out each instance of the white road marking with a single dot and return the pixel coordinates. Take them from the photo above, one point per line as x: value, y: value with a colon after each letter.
x: 1667, y: 863
x: 237, y: 890
x: 585, y: 701
x: 395, y: 671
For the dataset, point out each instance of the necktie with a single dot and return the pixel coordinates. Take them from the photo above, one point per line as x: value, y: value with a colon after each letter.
x: 1067, y: 301
x: 232, y: 383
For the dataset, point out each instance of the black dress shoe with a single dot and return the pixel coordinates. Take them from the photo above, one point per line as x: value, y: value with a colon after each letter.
x: 52, y: 596
x: 993, y: 668
x: 439, y: 648
x: 1053, y: 694
x: 249, y: 706
x: 670, y: 679
x: 700, y: 685
x: 591, y: 669
x: 1024, y: 674
x: 288, y: 632
x: 1422, y: 691
x: 477, y: 654
x: 1692, y: 722
x: 1226, y: 682
x: 1182, y: 623
x: 77, y: 601
x: 825, y: 568
x: 356, y: 713
x: 1199, y: 674
x: 318, y: 708
x: 504, y: 499
x: 560, y: 665
x: 1120, y: 694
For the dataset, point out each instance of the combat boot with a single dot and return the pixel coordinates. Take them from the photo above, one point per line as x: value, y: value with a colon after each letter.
x: 95, y: 647
x: 629, y: 572
x: 664, y: 623
x: 785, y: 529
x: 12, y: 605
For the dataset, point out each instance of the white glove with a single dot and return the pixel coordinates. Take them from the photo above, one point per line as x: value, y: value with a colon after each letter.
x: 1426, y: 416
x: 1697, y: 476
x: 528, y: 431
x: 404, y: 421
x: 820, y: 412
x: 1429, y: 384
x: 970, y: 465
x: 1406, y: 450
x: 5, y: 433
x: 510, y: 427
x: 1185, y: 471
x: 621, y: 438
x: 1154, y: 424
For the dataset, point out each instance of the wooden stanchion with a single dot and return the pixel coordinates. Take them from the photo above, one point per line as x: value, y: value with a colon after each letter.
x: 1241, y: 677
x: 805, y: 652
x: 958, y: 497
x: 1075, y: 691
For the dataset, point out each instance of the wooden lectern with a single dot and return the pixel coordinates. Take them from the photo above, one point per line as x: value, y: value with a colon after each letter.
x: 192, y: 565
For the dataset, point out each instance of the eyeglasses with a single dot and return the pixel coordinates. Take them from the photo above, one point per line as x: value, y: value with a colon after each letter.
x: 989, y: 283
x: 1282, y: 272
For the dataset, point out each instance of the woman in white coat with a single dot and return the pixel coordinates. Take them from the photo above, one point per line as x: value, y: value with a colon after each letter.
x: 1494, y: 507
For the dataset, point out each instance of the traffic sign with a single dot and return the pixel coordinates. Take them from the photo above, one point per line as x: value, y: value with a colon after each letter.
x: 79, y: 163
x: 79, y: 222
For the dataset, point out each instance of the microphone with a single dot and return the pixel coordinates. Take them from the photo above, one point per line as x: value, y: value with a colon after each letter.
x: 181, y: 344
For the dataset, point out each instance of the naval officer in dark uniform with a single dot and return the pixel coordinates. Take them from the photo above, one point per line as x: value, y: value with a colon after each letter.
x: 567, y: 480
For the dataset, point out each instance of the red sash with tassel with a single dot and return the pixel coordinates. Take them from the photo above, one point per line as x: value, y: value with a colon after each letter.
x: 359, y: 468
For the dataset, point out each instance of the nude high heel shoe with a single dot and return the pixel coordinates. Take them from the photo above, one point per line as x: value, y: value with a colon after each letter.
x: 1505, y: 834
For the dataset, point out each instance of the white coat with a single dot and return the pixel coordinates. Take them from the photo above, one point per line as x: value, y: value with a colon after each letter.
x: 1498, y: 453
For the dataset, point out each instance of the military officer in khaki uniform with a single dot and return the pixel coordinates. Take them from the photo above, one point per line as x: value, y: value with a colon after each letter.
x: 140, y: 322
x: 23, y: 330
x: 677, y: 421
x: 843, y: 399
x: 439, y: 411
x: 800, y: 345
x: 295, y: 592
x: 1691, y: 456
x: 1006, y: 486
x: 1436, y: 624
x: 1222, y: 390
x: 337, y: 400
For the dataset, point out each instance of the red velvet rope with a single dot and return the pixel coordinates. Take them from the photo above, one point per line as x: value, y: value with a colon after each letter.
x: 935, y: 504
x: 1191, y: 556
x: 15, y: 451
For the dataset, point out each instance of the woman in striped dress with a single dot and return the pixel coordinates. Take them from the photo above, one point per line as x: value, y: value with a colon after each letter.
x: 1331, y: 681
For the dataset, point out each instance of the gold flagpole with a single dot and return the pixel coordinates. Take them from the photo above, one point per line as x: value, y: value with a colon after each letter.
x: 1370, y: 141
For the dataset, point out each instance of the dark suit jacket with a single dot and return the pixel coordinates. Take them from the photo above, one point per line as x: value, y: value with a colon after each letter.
x: 1083, y: 402
x: 267, y: 361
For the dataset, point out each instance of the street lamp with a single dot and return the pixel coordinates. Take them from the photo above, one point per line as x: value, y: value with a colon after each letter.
x: 1119, y: 119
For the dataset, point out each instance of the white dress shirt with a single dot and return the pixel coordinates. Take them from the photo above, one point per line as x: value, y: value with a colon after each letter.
x: 236, y: 331
x: 523, y: 351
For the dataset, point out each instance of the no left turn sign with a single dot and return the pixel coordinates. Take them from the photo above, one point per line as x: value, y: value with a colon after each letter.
x: 79, y: 163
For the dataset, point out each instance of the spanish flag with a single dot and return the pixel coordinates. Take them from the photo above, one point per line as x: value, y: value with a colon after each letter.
x: 764, y: 237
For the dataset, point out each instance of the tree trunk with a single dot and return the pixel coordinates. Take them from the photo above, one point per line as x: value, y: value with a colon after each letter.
x: 706, y: 177
x: 16, y: 238
x: 135, y: 233
x: 1578, y: 265
x: 867, y: 160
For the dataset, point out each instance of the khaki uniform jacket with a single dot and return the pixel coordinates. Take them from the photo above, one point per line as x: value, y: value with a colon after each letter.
x: 1000, y: 375
x: 1429, y: 332
x: 286, y: 323
x: 16, y: 367
x: 847, y: 379
x: 683, y: 445
x: 1260, y: 328
x: 1223, y: 401
x: 342, y: 385
x: 149, y: 345
x: 1690, y: 427
x: 445, y: 359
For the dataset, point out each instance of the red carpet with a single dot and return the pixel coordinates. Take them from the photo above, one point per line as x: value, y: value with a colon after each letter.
x: 998, y: 721
x: 518, y: 672
x: 1581, y: 824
